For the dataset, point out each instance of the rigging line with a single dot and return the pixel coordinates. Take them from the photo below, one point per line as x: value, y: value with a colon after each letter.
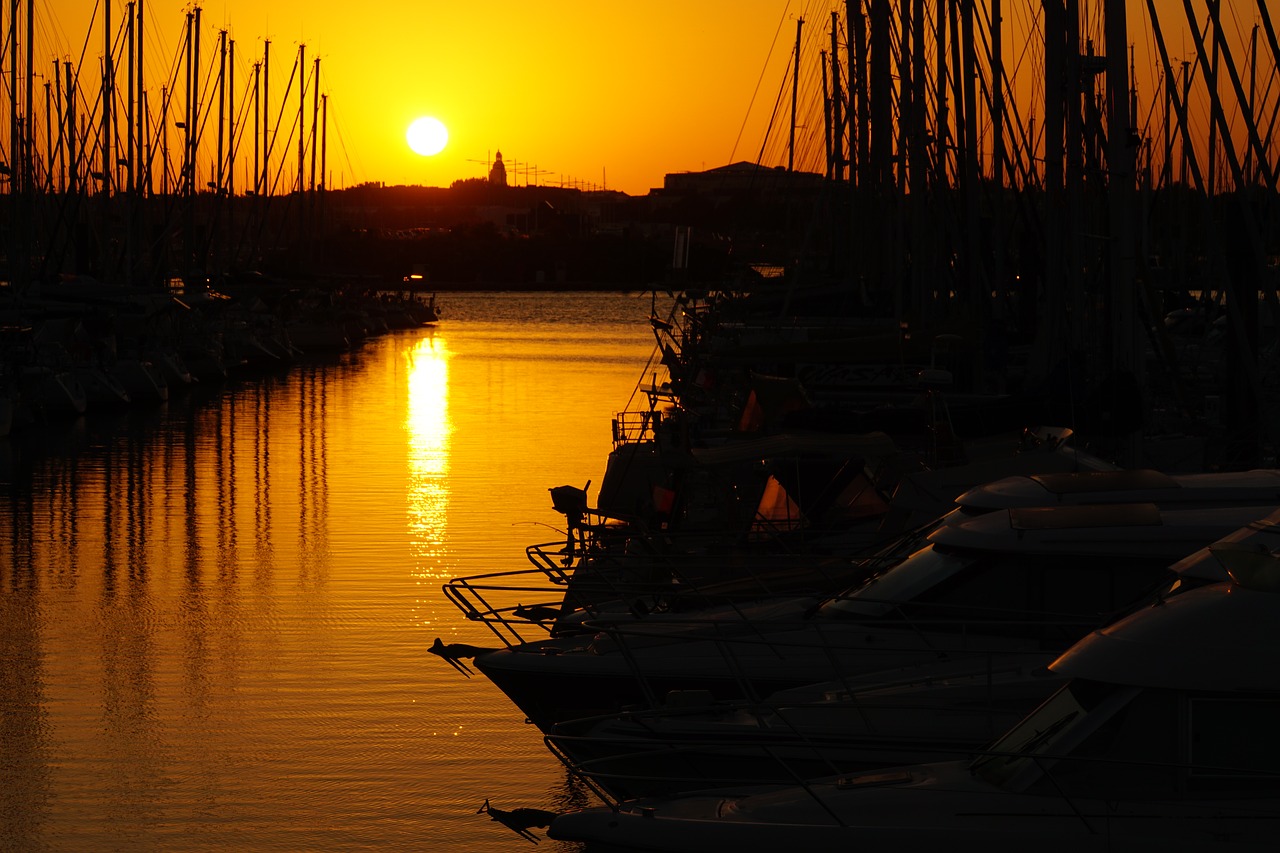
x: 759, y: 81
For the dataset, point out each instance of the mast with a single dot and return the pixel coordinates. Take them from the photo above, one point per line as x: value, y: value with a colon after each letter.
x: 62, y: 154
x: 795, y: 93
x: 1128, y: 356
x: 47, y: 183
x: 142, y: 176
x: 837, y: 103
x: 148, y: 186
x: 942, y: 120
x: 131, y: 82
x: 302, y: 105
x: 998, y: 149
x: 232, y: 145
x: 131, y: 210
x: 222, y: 108
x: 184, y: 184
x: 1166, y: 171
x: 1253, y: 91
x: 881, y: 99
x: 324, y: 139
x: 164, y: 140
x: 315, y: 115
x: 193, y: 131
x: 906, y: 95
x: 257, y: 126
x: 324, y: 133
x: 1051, y: 320
x: 28, y: 139
x: 108, y: 99
x: 826, y: 114
x: 73, y: 179
x: 974, y: 284
x: 264, y: 185
x: 1186, y: 94
x: 15, y: 122
x: 859, y: 75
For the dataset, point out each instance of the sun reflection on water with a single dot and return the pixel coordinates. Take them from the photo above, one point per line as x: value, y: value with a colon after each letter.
x: 429, y: 430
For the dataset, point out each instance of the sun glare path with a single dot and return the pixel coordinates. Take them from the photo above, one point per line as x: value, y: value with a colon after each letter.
x: 429, y: 428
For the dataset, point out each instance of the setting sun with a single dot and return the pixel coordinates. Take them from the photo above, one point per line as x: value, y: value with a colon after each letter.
x: 427, y: 136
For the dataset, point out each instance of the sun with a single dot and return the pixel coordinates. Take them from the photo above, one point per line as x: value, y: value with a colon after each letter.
x: 427, y: 136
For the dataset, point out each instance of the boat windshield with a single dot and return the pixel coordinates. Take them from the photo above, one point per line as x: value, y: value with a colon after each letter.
x: 915, y: 575
x: 1061, y: 721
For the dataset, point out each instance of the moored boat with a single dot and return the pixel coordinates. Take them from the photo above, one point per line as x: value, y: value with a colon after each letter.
x: 1162, y: 739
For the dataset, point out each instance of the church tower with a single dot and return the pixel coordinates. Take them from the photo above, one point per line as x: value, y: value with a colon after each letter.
x: 498, y: 174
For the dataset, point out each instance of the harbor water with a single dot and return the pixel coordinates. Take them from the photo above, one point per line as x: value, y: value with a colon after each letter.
x: 215, y: 614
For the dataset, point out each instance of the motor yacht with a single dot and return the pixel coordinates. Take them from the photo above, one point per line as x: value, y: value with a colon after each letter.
x: 1007, y: 582
x: 1162, y: 739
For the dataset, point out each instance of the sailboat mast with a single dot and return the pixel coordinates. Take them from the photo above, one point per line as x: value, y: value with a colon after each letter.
x: 263, y: 184
x: 837, y: 104
x: 222, y: 107
x: 1128, y: 357
x: 142, y: 182
x: 47, y: 183
x: 231, y: 128
x: 15, y: 127
x: 131, y: 82
x: 324, y: 138
x: 302, y: 106
x: 193, y: 130
x: 28, y: 139
x: 184, y: 184
x: 62, y: 156
x: 108, y: 98
x: 315, y: 115
x: 257, y: 126
x: 164, y: 140
x: 795, y: 92
x: 73, y: 169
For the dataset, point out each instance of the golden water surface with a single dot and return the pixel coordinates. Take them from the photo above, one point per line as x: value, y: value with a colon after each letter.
x: 214, y: 615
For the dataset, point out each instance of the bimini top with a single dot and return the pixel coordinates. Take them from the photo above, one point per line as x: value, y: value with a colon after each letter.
x: 1261, y: 486
x: 1221, y: 637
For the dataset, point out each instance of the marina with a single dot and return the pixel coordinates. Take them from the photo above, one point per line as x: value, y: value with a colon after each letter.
x: 911, y: 480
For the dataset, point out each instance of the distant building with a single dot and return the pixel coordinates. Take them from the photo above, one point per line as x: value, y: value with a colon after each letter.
x: 739, y: 177
x: 498, y: 174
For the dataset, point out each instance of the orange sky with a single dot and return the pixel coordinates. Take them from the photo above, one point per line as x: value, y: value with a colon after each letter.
x: 587, y: 91
x: 581, y: 91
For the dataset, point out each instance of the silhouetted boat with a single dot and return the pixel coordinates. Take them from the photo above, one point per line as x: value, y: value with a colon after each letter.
x: 1163, y: 739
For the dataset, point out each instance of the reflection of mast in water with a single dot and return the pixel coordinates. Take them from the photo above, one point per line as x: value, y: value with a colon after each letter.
x: 313, y: 497
x: 228, y: 453
x: 429, y: 429
x: 262, y: 489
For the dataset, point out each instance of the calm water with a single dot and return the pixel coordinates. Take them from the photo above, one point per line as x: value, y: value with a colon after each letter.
x: 214, y: 615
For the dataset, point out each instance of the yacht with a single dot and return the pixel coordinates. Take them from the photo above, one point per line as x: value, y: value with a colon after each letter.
x: 611, y: 575
x: 1007, y: 582
x: 1163, y: 738
x: 914, y: 714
